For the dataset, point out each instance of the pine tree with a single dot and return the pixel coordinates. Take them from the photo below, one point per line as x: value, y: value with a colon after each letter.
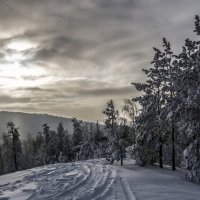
x: 46, y: 133
x: 1, y: 161
x: 111, y: 116
x: 131, y: 109
x: 63, y: 144
x: 98, y: 134
x: 152, y: 101
x: 77, y: 136
x: 7, y: 153
x: 188, y: 104
x: 111, y: 125
x: 45, y: 146
x: 38, y: 149
x: 16, y: 144
x: 61, y: 134
x: 28, y: 153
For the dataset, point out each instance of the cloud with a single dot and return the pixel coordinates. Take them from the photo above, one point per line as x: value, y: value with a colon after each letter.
x: 5, y: 99
x: 86, y: 51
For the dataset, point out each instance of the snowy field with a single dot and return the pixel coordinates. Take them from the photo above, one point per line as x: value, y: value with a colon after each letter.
x: 78, y: 180
x: 95, y: 179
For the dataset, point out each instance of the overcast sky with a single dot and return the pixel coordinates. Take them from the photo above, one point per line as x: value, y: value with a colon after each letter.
x: 68, y: 57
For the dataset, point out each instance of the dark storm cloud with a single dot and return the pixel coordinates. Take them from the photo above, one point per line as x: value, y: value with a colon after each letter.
x: 90, y: 50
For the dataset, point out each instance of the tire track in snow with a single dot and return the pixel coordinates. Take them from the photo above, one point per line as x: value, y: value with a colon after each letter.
x: 122, y: 190
x: 87, y: 180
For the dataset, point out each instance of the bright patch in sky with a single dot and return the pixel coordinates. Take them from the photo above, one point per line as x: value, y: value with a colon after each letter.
x: 71, y: 57
x: 14, y: 57
x: 17, y: 71
x: 21, y: 45
x: 16, y: 65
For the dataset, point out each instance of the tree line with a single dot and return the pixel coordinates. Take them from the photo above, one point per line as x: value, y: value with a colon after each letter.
x: 168, y: 124
x: 88, y: 141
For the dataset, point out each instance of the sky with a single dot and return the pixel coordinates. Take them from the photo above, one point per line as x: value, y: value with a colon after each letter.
x: 69, y: 57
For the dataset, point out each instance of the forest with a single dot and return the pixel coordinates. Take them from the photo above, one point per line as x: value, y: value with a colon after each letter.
x: 163, y: 128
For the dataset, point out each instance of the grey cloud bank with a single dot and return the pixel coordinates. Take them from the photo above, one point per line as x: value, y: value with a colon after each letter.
x: 79, y: 54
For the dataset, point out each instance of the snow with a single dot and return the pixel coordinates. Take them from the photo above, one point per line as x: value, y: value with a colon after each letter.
x: 152, y: 183
x: 77, y: 180
x: 96, y: 179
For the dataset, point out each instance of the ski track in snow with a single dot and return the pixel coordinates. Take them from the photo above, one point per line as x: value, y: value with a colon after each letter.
x: 122, y: 190
x: 70, y: 181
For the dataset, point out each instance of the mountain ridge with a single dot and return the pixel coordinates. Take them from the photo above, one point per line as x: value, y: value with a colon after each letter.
x: 31, y: 123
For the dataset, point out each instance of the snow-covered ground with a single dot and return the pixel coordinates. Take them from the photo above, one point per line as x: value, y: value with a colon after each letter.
x: 78, y: 180
x: 95, y: 179
x: 152, y: 183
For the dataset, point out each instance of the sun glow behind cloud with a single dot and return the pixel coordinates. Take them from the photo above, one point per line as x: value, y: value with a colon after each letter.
x: 17, y: 65
x: 21, y: 45
x: 17, y: 71
x: 70, y: 57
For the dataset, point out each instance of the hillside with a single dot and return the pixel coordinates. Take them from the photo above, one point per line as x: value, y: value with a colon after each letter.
x: 76, y: 180
x: 32, y: 123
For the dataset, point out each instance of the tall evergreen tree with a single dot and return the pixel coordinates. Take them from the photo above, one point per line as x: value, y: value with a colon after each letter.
x: 45, y: 147
x: 61, y: 134
x: 152, y: 102
x: 111, y: 115
x: 98, y: 133
x: 7, y: 153
x: 16, y: 144
x: 188, y: 104
x: 77, y: 136
x: 131, y: 109
x: 111, y: 126
x: 1, y: 161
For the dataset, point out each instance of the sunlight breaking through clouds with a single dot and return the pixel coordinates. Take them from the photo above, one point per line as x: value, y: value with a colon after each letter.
x: 20, y: 45
x: 80, y: 54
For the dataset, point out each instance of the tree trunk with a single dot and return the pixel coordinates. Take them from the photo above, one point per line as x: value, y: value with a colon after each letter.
x: 161, y: 153
x: 15, y: 158
x: 160, y: 137
x: 1, y: 164
x: 173, y: 147
x: 121, y: 159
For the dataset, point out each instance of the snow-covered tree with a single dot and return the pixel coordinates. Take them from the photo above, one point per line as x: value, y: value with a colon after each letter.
x: 111, y: 127
x: 131, y: 109
x: 150, y: 132
x: 188, y: 104
x: 77, y: 136
x: 16, y: 144
x: 7, y: 153
x: 111, y: 115
x: 1, y: 161
x: 60, y: 134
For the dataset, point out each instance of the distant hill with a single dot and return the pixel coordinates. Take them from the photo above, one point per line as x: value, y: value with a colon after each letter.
x: 32, y: 123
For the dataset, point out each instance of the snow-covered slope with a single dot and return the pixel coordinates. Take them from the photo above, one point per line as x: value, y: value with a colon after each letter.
x: 78, y: 180
x: 95, y: 180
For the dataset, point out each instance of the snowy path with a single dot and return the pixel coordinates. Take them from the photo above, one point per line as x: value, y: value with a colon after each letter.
x: 73, y: 181
x: 158, y: 184
x: 95, y: 180
x: 122, y: 190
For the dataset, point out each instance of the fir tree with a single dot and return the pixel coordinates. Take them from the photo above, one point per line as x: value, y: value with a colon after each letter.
x: 77, y: 136
x: 16, y: 144
x: 111, y: 125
